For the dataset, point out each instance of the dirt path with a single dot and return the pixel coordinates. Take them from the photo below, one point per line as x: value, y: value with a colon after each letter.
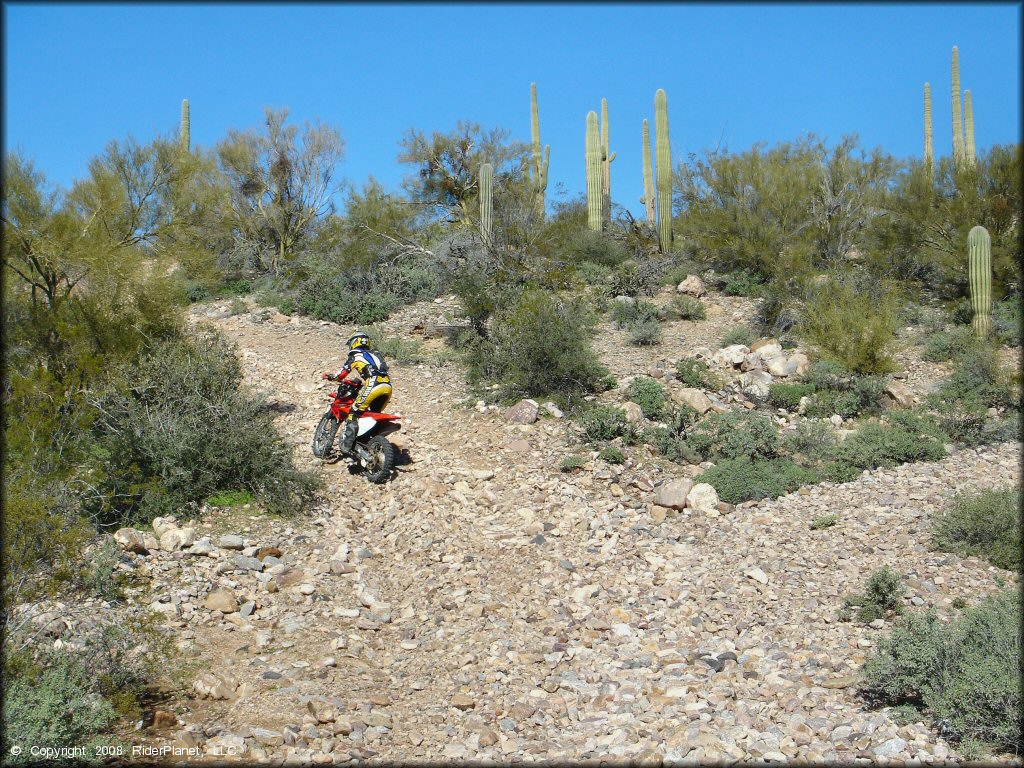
x: 483, y: 605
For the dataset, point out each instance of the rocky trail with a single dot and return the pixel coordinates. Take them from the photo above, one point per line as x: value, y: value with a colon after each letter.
x: 484, y: 605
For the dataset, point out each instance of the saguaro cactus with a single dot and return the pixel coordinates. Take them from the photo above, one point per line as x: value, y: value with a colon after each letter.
x: 486, y: 201
x: 606, y: 166
x: 979, y: 276
x: 928, y: 157
x: 970, y: 156
x: 648, y: 198
x: 186, y: 126
x: 958, y: 131
x: 539, y: 166
x: 594, y: 182
x: 663, y: 157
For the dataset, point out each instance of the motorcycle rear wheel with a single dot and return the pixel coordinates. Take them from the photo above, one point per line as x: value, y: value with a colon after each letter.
x: 382, y: 459
x: 323, y: 437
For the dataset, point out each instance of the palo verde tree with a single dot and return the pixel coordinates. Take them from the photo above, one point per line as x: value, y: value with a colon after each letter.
x: 282, y: 183
x: 447, y: 166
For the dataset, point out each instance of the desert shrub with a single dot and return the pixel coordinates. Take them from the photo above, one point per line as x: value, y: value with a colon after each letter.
x: 838, y: 390
x: 344, y: 297
x: 685, y: 308
x: 98, y: 575
x: 741, y: 283
x: 835, y: 321
x: 603, y: 422
x: 946, y: 345
x: 888, y: 444
x: 740, y: 334
x: 733, y: 435
x: 972, y: 427
x: 646, y: 333
x: 637, y: 276
x: 54, y: 704
x: 985, y: 524
x: 594, y: 274
x: 881, y: 598
x: 977, y: 381
x: 587, y: 246
x: 237, y: 307
x: 231, y: 288
x: 539, y: 345
x: 236, y: 498
x: 572, y: 463
x: 395, y: 348
x: 741, y: 479
x: 629, y: 313
x: 788, y: 395
x: 649, y: 395
x: 1006, y: 320
x: 815, y: 441
x: 965, y: 674
x: 174, y: 428
x: 670, y: 444
x: 611, y: 454
x: 698, y: 374
x: 820, y: 522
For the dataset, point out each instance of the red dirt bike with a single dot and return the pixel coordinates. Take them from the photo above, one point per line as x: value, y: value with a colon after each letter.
x: 372, y: 451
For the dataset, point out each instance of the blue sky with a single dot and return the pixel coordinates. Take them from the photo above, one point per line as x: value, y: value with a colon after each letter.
x: 76, y: 76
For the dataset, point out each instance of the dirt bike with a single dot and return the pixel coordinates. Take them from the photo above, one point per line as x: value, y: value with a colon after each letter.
x: 372, y: 450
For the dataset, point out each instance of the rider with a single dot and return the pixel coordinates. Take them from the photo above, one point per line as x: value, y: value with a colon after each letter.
x: 368, y: 371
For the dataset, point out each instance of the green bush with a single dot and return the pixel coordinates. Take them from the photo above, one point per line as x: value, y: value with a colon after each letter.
x: 977, y: 380
x: 823, y: 521
x: 965, y: 674
x: 838, y: 390
x: 741, y: 479
x: 972, y: 427
x: 635, y: 277
x: 594, y: 274
x: 539, y: 345
x: 669, y: 444
x: 685, y: 308
x: 231, y: 499
x: 612, y: 455
x: 629, y: 313
x: 887, y: 445
x: 98, y: 575
x: 788, y: 395
x: 741, y: 283
x: 1006, y: 321
x: 985, y: 524
x: 734, y: 434
x: 232, y: 288
x: 882, y: 597
x: 604, y: 422
x: 649, y: 395
x: 342, y: 299
x: 572, y: 463
x: 592, y: 247
x: 175, y: 428
x: 814, y: 441
x: 697, y: 374
x: 946, y: 345
x: 646, y: 333
x: 396, y: 349
x: 740, y: 334
x: 835, y: 321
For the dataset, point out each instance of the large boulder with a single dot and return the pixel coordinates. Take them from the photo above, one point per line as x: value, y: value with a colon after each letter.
x: 673, y: 493
x: 703, y: 498
x: 778, y: 366
x: 176, y: 539
x: 131, y: 540
x: 692, y: 286
x: 797, y: 364
x: 694, y: 398
x: 163, y: 524
x: 899, y: 394
x: 634, y: 414
x: 731, y: 356
x: 523, y: 412
x: 221, y: 600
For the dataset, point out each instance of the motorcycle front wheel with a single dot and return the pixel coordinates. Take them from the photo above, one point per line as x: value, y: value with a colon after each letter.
x: 323, y: 437
x: 382, y: 459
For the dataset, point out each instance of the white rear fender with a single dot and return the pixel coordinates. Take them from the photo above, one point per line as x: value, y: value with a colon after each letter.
x: 365, y: 424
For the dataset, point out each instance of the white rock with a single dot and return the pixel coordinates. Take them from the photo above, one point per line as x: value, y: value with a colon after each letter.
x: 757, y: 575
x: 673, y: 493
x: 702, y: 497
x: 692, y: 286
x: 634, y: 414
x: 692, y: 397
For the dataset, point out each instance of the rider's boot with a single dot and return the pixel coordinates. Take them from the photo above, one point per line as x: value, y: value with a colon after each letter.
x: 348, y: 440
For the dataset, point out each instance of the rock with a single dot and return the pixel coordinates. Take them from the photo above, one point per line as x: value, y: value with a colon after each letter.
x: 176, y: 539
x: 702, y: 497
x: 553, y: 409
x: 836, y: 419
x: 731, y: 356
x: 843, y: 681
x: 247, y: 608
x: 221, y: 600
x: 797, y: 364
x: 131, y: 540
x: 765, y: 343
x: 634, y: 414
x: 322, y: 711
x: 163, y: 719
x: 658, y: 513
x: 523, y: 412
x: 778, y: 366
x: 264, y: 552
x: 519, y: 446
x: 248, y: 563
x: 899, y: 394
x: 463, y: 701
x: 692, y: 286
x: 163, y: 524
x: 694, y: 398
x: 203, y: 547
x: 757, y: 575
x: 673, y: 493
x: 211, y: 686
x: 231, y: 541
